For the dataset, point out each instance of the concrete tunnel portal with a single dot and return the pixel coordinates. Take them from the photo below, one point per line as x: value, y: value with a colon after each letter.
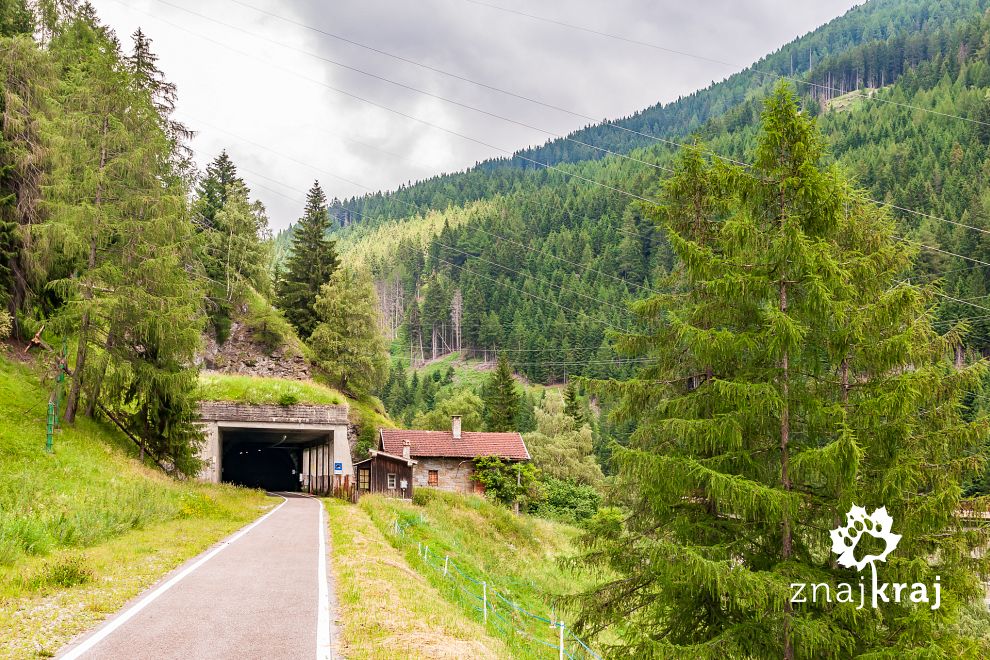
x: 277, y: 448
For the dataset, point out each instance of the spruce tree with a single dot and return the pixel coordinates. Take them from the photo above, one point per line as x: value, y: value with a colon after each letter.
x: 15, y: 18
x: 572, y: 406
x: 118, y: 214
x: 347, y: 342
x: 213, y: 188
x: 526, y: 419
x: 310, y: 265
x: 501, y: 398
x: 796, y: 375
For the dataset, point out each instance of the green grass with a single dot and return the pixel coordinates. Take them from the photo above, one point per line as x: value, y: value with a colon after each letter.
x: 366, y: 413
x: 469, y: 373
x: 517, y: 556
x: 850, y: 100
x: 64, y: 517
x: 387, y: 609
x: 258, y: 390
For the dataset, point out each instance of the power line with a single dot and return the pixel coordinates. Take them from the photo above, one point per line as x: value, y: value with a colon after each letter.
x: 417, y: 209
x: 420, y: 91
x: 536, y: 162
x: 742, y: 68
x: 527, y: 293
x: 528, y: 275
x: 503, y: 150
x: 538, y: 279
x: 462, y: 78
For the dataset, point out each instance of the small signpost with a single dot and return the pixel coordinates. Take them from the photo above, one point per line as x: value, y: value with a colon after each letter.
x: 338, y: 468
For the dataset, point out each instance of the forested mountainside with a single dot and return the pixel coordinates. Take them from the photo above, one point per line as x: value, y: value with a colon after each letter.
x: 871, y: 46
x: 547, y: 262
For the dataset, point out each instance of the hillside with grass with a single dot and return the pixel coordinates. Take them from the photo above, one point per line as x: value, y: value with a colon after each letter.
x: 86, y: 527
x: 517, y: 560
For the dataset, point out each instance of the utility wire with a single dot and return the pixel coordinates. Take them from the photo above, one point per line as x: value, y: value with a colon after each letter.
x: 418, y: 210
x: 412, y: 88
x: 536, y: 162
x: 462, y: 78
x: 416, y: 207
x: 740, y: 67
x: 527, y: 293
x: 501, y: 149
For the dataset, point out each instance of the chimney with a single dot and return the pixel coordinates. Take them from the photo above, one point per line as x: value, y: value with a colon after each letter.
x: 405, y: 448
x: 455, y: 426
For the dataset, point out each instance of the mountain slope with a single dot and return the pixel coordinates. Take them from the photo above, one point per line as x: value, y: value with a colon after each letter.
x: 544, y: 271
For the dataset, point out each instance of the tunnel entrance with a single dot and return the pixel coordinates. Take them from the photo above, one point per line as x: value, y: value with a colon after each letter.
x: 272, y: 460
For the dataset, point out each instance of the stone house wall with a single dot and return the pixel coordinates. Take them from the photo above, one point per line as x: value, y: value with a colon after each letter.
x: 453, y: 474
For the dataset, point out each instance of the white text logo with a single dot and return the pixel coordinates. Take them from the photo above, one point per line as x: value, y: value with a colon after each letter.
x: 844, y: 542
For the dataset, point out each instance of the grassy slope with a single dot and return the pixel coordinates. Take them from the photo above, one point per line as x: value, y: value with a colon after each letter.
x: 388, y: 610
x: 86, y: 528
x: 471, y: 373
x: 258, y: 390
x: 518, y: 556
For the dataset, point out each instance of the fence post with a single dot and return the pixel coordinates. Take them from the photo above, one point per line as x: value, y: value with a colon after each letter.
x: 419, y: 548
x: 446, y: 559
x: 560, y: 627
x: 484, y: 599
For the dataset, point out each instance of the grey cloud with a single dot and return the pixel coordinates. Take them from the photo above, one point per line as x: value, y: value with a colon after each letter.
x: 590, y: 74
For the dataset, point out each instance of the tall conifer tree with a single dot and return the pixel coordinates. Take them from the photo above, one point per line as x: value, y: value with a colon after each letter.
x: 501, y: 398
x: 118, y: 215
x: 311, y: 264
x: 348, y: 341
x: 213, y: 188
x: 796, y: 375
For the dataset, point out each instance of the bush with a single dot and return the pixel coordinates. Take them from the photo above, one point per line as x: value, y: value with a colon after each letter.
x: 507, y: 482
x: 288, y: 399
x: 6, y: 323
x: 423, y: 496
x: 61, y: 573
x: 568, y: 501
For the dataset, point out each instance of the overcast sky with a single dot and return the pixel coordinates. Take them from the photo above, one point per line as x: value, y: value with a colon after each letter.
x: 258, y: 84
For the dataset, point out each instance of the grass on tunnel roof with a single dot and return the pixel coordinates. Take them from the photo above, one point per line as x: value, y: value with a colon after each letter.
x: 258, y: 390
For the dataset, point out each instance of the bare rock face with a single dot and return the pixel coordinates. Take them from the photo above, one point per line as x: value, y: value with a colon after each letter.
x: 246, y: 355
x: 352, y: 437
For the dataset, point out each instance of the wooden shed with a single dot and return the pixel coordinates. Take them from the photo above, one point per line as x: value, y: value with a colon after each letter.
x: 386, y: 474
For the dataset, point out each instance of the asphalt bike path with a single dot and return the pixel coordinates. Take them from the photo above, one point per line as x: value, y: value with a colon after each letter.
x: 261, y: 593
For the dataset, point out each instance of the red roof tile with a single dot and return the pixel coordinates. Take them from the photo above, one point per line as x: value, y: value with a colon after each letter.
x: 472, y: 444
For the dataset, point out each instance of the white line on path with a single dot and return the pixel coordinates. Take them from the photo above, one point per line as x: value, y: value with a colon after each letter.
x: 323, y: 648
x: 123, y: 618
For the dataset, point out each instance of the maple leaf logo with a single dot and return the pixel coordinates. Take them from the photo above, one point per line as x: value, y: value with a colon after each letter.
x: 877, y: 525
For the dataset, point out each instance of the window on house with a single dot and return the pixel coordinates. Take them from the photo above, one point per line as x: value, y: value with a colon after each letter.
x: 433, y: 479
x: 364, y: 479
x: 391, y: 482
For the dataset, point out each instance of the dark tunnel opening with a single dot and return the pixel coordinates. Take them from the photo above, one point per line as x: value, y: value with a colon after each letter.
x: 260, y: 465
x: 266, y: 458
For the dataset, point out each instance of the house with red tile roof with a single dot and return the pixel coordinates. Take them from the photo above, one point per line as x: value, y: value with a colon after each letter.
x: 445, y: 459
